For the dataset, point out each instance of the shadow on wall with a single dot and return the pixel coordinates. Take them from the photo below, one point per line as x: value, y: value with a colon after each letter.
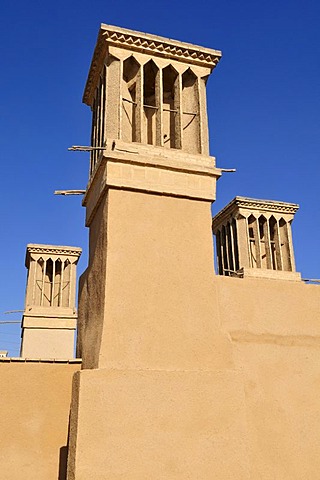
x: 63, y: 463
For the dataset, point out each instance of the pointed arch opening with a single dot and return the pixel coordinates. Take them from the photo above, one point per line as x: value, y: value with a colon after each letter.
x: 150, y: 101
x: 190, y: 112
x: 171, y: 107
x: 130, y: 100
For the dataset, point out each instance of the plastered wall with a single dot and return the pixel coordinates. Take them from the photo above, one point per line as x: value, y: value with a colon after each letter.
x: 35, y: 403
x: 274, y: 329
x: 151, y: 301
x: 275, y: 332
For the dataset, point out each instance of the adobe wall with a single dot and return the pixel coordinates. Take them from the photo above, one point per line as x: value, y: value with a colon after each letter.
x: 158, y: 424
x: 35, y: 403
x: 149, y: 286
x: 167, y: 401
x: 275, y: 330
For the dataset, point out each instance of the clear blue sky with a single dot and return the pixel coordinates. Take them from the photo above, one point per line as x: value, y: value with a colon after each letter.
x: 263, y: 101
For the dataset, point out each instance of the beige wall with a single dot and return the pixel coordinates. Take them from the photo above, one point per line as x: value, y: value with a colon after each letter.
x: 275, y: 329
x: 268, y: 407
x: 35, y: 403
x: 268, y: 306
x: 150, y: 326
x: 158, y: 424
x: 48, y: 343
x: 158, y: 310
x: 150, y: 286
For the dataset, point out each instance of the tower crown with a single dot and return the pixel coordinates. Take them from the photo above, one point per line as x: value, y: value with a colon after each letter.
x: 148, y: 89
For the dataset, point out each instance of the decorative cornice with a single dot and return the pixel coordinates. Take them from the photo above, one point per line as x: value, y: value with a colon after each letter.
x: 269, y: 205
x: 145, y: 43
x: 53, y: 249
x: 253, y: 204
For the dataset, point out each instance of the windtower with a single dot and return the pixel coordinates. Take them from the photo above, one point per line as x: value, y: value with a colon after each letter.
x: 157, y: 368
x: 50, y: 317
x: 254, y: 239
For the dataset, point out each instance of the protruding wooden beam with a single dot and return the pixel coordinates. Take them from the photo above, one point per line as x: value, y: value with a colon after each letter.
x: 80, y: 148
x: 70, y: 192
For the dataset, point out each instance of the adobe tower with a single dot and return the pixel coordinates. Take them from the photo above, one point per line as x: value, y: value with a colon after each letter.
x: 157, y: 396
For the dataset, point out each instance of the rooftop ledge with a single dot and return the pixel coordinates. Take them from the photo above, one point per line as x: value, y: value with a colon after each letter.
x: 40, y: 360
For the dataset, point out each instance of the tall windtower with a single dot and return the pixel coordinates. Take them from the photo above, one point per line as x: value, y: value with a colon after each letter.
x: 157, y: 390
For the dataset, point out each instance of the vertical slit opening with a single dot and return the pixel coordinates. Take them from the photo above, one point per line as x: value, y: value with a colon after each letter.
x: 252, y: 242
x: 219, y: 253
x: 235, y: 244
x: 225, y: 252
x: 190, y: 112
x: 273, y: 245
x: 261, y: 222
x: 170, y: 113
x: 131, y: 70
x: 149, y: 101
x: 230, y: 247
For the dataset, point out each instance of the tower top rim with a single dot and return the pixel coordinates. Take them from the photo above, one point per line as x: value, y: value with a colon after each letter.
x: 251, y: 204
x: 54, y: 249
x: 110, y: 35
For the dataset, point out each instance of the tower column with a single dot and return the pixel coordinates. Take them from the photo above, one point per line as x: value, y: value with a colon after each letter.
x: 158, y: 389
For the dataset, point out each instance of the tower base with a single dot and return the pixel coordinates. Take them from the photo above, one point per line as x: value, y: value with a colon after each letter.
x: 148, y: 424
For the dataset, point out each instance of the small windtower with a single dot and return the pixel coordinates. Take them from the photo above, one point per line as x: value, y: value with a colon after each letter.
x: 50, y: 317
x: 253, y: 238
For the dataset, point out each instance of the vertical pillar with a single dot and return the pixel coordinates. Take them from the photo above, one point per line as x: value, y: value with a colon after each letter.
x: 104, y: 106
x: 43, y: 281
x: 159, y: 107
x: 230, y: 247
x: 233, y: 242
x: 291, y: 251
x: 101, y: 112
x: 256, y: 232
x: 93, y: 138
x: 61, y: 283
x: 113, y: 97
x: 178, y: 108
x: 139, y: 105
x: 30, y: 293
x: 278, y: 246
x: 243, y: 241
x: 226, y: 265
x: 266, y: 234
x: 120, y: 102
x: 53, y: 282
x: 99, y: 119
x: 203, y: 122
